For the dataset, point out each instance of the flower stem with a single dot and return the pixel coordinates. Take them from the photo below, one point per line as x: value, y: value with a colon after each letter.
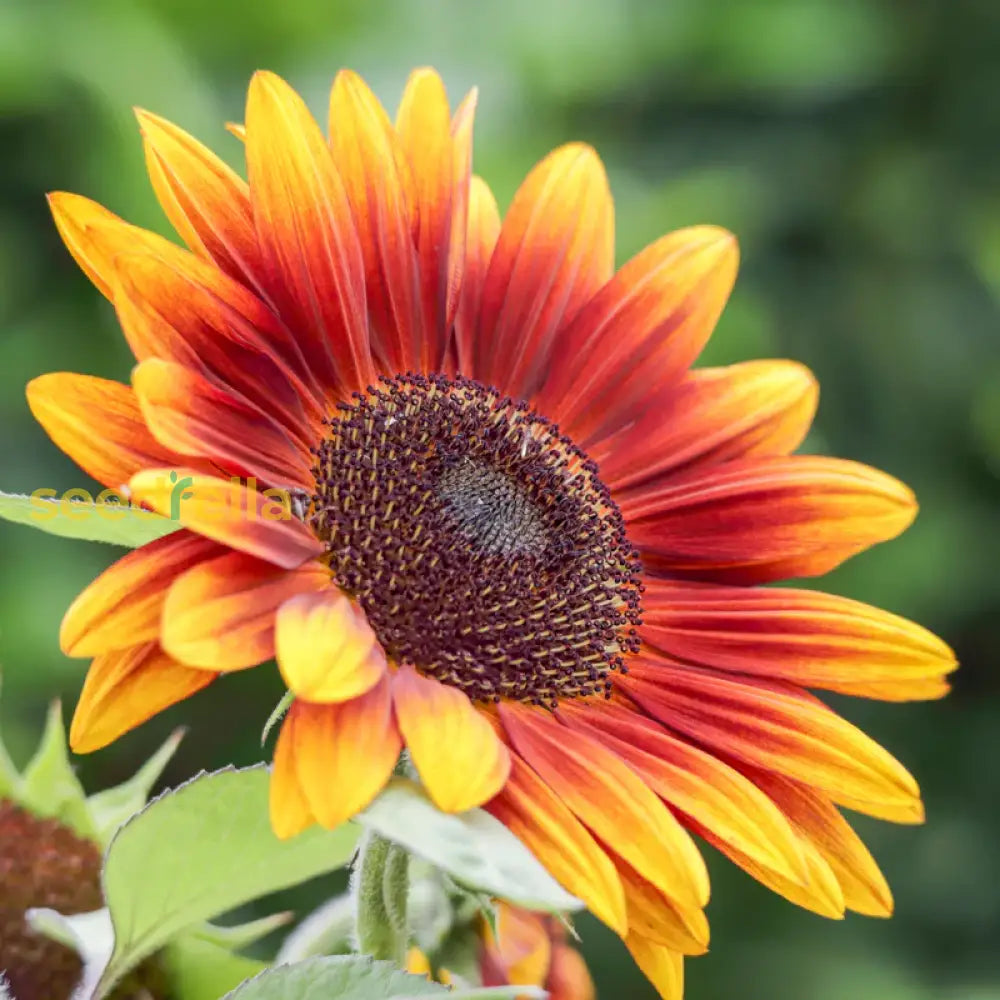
x: 382, y: 882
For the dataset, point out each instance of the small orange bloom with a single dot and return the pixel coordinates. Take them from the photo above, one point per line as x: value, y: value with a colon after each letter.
x: 522, y: 538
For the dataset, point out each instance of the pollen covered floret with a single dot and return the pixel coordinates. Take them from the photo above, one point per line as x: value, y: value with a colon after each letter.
x: 480, y: 541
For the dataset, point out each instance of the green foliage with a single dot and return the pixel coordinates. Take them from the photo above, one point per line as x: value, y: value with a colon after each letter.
x: 112, y: 523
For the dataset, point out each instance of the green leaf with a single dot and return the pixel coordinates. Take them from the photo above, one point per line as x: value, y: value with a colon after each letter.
x: 50, y: 787
x: 200, y: 850
x: 197, y: 969
x: 235, y: 936
x: 357, y: 977
x: 10, y: 780
x: 328, y: 930
x: 114, y: 523
x: 473, y: 847
x: 112, y: 807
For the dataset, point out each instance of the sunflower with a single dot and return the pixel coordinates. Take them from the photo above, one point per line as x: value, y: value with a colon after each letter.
x: 514, y: 534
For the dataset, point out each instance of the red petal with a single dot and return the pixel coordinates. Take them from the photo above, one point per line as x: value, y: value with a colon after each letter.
x: 764, y: 519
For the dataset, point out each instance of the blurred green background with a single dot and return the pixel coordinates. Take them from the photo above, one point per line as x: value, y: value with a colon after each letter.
x: 852, y: 146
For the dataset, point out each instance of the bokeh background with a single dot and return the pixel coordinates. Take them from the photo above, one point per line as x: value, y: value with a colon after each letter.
x: 852, y: 146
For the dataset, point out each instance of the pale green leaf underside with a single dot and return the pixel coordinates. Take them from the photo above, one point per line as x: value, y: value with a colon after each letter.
x: 198, y: 851
x: 355, y: 977
x: 92, y: 522
x: 473, y: 847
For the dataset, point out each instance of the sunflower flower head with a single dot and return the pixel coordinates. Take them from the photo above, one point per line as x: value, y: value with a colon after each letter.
x: 455, y: 473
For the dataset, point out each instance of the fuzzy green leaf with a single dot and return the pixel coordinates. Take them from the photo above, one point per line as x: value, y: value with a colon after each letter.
x: 473, y: 847
x: 197, y: 969
x: 114, y: 523
x: 357, y: 977
x: 198, y: 851
x: 49, y: 786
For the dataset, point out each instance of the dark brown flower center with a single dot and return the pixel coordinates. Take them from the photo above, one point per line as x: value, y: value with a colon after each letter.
x: 479, y: 540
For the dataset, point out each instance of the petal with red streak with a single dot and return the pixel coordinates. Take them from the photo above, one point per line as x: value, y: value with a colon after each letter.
x: 554, y: 251
x: 227, y: 511
x: 220, y: 615
x: 312, y: 256
x: 326, y: 650
x: 712, y: 415
x: 99, y: 424
x: 344, y: 753
x: 461, y: 760
x: 764, y: 519
x: 809, y: 638
x: 122, y: 606
x: 640, y: 332
x: 126, y: 687
x: 608, y: 797
x: 289, y: 809
x: 773, y: 726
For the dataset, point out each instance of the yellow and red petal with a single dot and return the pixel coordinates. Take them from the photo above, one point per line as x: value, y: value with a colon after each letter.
x: 99, y: 424
x: 523, y: 945
x: 345, y: 753
x: 461, y: 134
x: 764, y: 519
x: 175, y: 307
x: 124, y: 688
x: 206, y: 201
x: 424, y: 126
x: 313, y: 266
x: 698, y: 785
x: 569, y: 978
x: 773, y: 726
x: 818, y: 821
x: 122, y: 607
x: 221, y: 614
x: 481, y: 238
x: 712, y: 415
x: 195, y: 417
x: 326, y: 650
x: 376, y: 172
x: 539, y: 818
x: 609, y: 797
x: 554, y: 251
x: 661, y: 965
x: 654, y: 915
x: 457, y: 753
x: 289, y: 809
x: 227, y: 511
x: 640, y: 332
x: 810, y: 638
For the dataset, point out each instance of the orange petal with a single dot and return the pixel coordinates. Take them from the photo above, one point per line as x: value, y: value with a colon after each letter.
x: 97, y: 423
x: 312, y: 256
x: 288, y: 806
x: 696, y: 784
x: 653, y: 915
x: 461, y: 134
x: 239, y: 516
x: 713, y: 415
x: 220, y: 615
x: 459, y: 757
x: 326, y: 649
x: 523, y: 945
x: 122, y: 606
x: 773, y: 726
x: 569, y: 978
x: 191, y: 415
x: 555, y: 250
x: 813, y: 639
x: 817, y: 820
x: 608, y: 797
x: 126, y: 687
x: 661, y: 965
x: 95, y: 236
x: 206, y: 201
x: 176, y: 307
x: 538, y: 817
x: 764, y: 519
x: 640, y: 332
x: 376, y: 173
x: 424, y: 127
x: 484, y: 228
x: 344, y: 753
